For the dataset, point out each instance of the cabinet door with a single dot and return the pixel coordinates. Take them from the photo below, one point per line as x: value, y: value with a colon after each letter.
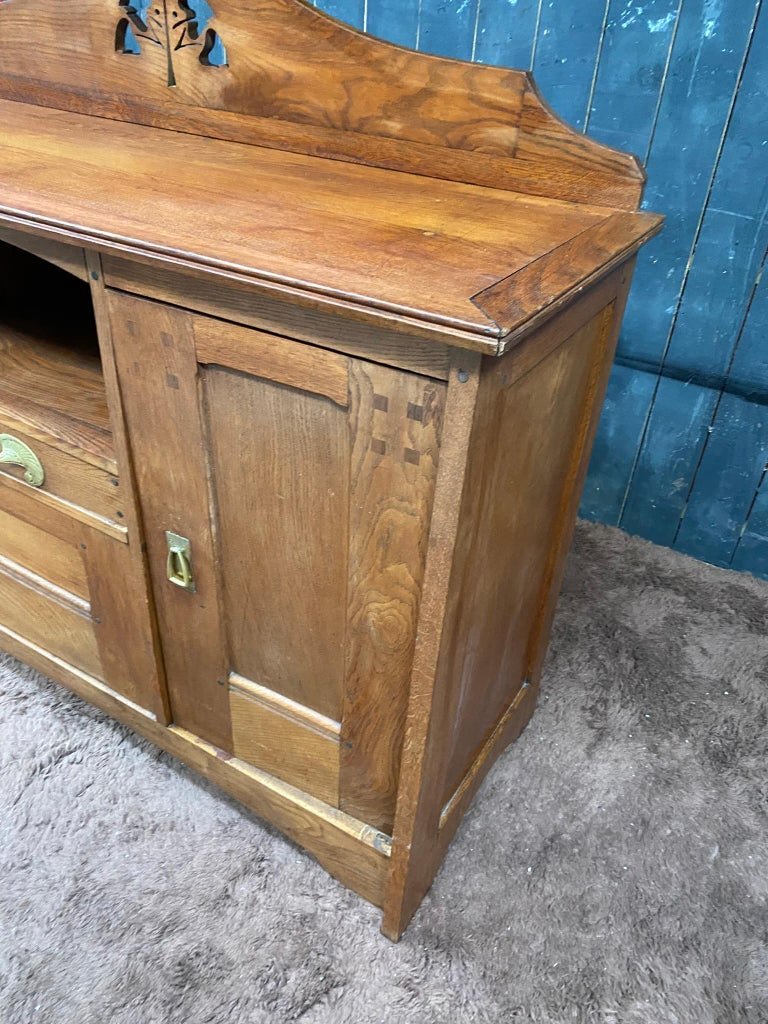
x: 300, y: 482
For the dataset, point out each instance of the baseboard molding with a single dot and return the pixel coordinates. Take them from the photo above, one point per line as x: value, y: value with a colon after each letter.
x: 353, y: 852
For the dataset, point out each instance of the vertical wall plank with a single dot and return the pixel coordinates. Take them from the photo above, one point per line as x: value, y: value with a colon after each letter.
x: 731, y: 239
x: 447, y: 27
x: 629, y: 394
x: 567, y: 48
x: 505, y: 32
x: 730, y: 471
x: 752, y: 550
x: 662, y: 78
x: 705, y: 63
x: 736, y: 452
x: 397, y: 21
x: 632, y: 69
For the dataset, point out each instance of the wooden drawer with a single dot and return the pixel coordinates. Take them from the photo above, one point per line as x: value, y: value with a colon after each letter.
x: 52, y: 619
x: 83, y: 490
x: 71, y: 593
x: 57, y: 560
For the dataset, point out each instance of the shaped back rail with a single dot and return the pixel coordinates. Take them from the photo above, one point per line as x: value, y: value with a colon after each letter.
x: 279, y: 73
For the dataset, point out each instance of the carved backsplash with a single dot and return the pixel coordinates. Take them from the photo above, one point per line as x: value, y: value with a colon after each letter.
x: 171, y: 26
x: 282, y: 74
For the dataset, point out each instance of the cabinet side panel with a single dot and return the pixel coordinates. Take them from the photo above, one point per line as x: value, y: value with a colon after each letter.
x: 280, y: 463
x: 522, y: 455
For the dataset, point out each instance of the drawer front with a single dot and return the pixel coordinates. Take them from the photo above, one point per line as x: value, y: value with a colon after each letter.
x: 44, y: 616
x: 52, y: 558
x: 57, y: 478
x: 78, y: 595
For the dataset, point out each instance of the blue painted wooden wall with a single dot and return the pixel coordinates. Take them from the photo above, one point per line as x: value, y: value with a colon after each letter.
x: 682, y: 449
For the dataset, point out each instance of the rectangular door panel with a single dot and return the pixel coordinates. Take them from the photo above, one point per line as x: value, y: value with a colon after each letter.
x: 280, y: 469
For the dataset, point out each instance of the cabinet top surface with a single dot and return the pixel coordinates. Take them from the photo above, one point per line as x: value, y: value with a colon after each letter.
x: 427, y: 249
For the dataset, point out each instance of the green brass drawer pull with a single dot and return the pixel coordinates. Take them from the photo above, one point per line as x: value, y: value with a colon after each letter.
x: 179, y: 568
x: 15, y: 453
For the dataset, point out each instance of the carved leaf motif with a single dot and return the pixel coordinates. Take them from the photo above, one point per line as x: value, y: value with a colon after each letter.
x: 171, y: 25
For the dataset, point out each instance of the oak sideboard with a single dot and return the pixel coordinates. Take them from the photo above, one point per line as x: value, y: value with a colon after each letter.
x: 303, y: 343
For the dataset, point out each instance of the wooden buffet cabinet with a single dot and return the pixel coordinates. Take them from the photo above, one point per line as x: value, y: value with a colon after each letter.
x: 303, y: 341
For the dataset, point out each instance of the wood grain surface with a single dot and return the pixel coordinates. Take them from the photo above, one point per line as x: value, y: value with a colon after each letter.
x: 297, y: 80
x: 43, y: 553
x: 280, y: 469
x: 157, y: 369
x: 371, y: 237
x: 397, y: 421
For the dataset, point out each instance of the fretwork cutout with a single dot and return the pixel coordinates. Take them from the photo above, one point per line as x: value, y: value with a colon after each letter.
x: 173, y: 25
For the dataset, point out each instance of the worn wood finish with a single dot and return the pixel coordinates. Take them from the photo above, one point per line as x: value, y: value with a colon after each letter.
x: 273, y: 358
x: 509, y: 588
x: 52, y: 517
x: 48, y: 617
x: 69, y: 481
x: 508, y: 532
x: 412, y: 868
x: 142, y: 671
x: 56, y: 393
x: 346, y: 330
x: 118, y: 604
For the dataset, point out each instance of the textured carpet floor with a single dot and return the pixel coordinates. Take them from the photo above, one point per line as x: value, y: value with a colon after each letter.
x: 613, y: 870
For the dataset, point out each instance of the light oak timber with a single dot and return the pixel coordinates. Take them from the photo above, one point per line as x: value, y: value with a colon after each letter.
x: 350, y: 317
x: 280, y: 469
x: 239, y: 301
x: 412, y: 866
x: 486, y: 588
x: 282, y: 738
x: 398, y: 421
x: 141, y: 672
x: 273, y: 358
x: 45, y: 587
x: 53, y: 519
x: 514, y: 491
x: 58, y: 504
x: 158, y: 380
x: 56, y: 394
x: 585, y: 438
x: 43, y: 553
x: 429, y: 243
x: 523, y: 302
x: 67, y: 477
x: 45, y: 615
x: 358, y: 98
x: 509, y: 727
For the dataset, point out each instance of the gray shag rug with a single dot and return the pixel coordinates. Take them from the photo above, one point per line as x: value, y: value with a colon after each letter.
x: 613, y: 869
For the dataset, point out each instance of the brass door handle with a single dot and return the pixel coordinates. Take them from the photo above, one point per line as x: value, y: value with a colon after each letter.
x: 179, y: 565
x: 15, y: 453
